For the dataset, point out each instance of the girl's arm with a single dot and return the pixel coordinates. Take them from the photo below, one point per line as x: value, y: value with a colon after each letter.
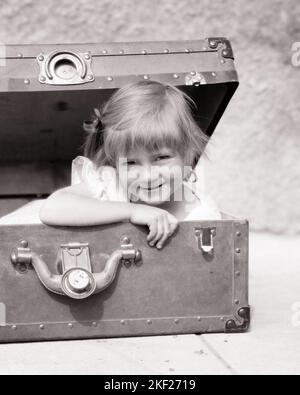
x: 73, y: 206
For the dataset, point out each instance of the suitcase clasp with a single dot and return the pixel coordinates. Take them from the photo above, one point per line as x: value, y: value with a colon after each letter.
x: 205, y: 237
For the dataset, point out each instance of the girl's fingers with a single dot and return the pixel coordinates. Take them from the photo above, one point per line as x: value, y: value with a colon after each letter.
x: 160, y: 231
x: 153, y: 231
x: 166, y: 234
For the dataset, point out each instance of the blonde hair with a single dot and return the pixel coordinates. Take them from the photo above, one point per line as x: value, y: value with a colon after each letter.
x: 147, y: 115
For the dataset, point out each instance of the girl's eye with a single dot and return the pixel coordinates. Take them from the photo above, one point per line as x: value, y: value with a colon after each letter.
x: 162, y: 157
x: 131, y: 162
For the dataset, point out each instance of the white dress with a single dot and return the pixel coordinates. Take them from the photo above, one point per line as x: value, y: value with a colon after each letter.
x: 102, y: 184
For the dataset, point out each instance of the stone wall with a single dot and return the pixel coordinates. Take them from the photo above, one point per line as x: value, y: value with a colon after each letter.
x: 255, y: 153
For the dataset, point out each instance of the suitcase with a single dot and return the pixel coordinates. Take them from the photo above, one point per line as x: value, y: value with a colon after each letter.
x: 105, y: 281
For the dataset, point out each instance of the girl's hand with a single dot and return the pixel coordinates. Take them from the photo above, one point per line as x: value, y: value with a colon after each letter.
x: 161, y: 223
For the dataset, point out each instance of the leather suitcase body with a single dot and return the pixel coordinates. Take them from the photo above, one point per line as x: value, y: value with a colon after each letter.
x: 105, y: 281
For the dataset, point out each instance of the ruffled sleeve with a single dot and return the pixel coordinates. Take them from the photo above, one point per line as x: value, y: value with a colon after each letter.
x: 206, y: 210
x: 101, y: 182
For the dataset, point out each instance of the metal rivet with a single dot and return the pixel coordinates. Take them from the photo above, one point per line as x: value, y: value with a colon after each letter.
x: 149, y: 322
x: 199, y: 319
x: 238, y: 250
x: 42, y: 327
x: 94, y: 324
x: 105, y: 52
x: 70, y: 326
x: 238, y: 234
x: 90, y: 77
x: 187, y: 50
x: 144, y: 52
x: 14, y: 327
x: 176, y: 321
x: 41, y: 58
x: 193, y: 73
x: 225, y: 52
x: 176, y: 76
x: 237, y: 274
x: 146, y: 77
x: 205, y: 48
x: 121, y: 52
x: 24, y: 244
x: 223, y: 61
x: 20, y: 55
x: 110, y: 79
x: 166, y: 51
x: 222, y: 319
x: 237, y: 302
x: 43, y: 79
x: 87, y: 56
x: 213, y: 43
x: 126, y: 240
x: 26, y: 82
x: 22, y: 268
x: 214, y: 74
x: 122, y: 322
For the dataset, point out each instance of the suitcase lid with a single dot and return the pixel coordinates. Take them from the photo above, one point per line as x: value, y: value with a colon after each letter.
x: 46, y: 91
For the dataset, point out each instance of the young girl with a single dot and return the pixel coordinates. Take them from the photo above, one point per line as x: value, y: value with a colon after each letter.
x: 140, y: 155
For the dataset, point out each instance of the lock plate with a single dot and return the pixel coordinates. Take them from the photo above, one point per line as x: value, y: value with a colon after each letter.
x: 78, y: 281
x: 75, y: 255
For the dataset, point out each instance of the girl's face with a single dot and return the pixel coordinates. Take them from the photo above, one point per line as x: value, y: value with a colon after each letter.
x: 152, y: 178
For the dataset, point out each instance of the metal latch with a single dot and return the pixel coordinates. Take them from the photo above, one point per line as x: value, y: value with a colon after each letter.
x: 195, y: 79
x: 205, y: 237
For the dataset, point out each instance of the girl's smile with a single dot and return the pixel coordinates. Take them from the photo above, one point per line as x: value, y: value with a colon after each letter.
x: 153, y: 188
x: 151, y: 178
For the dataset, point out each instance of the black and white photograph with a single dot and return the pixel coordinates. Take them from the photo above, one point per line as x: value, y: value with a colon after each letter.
x: 149, y: 190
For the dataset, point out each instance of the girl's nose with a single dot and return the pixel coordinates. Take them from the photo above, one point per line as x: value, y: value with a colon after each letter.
x: 149, y: 175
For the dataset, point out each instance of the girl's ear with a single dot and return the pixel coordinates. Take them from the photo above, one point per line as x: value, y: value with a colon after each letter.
x: 187, y: 170
x: 191, y: 175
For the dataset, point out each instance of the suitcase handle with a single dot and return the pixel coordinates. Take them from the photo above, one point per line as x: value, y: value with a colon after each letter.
x: 77, y: 281
x: 65, y: 68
